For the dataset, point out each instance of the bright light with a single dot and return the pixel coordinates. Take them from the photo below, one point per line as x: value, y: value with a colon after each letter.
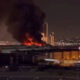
x: 52, y: 60
x: 79, y: 47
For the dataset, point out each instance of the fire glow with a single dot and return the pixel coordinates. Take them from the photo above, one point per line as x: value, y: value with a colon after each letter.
x: 29, y: 41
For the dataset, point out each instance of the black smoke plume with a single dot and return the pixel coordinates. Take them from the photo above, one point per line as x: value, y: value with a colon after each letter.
x: 22, y: 16
x: 25, y: 17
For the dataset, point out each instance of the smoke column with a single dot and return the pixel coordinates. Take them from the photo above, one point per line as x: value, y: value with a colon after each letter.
x: 21, y: 17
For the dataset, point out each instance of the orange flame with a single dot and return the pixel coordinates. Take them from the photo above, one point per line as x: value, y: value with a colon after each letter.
x: 29, y: 41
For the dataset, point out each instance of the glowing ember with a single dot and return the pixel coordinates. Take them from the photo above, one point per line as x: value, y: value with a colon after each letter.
x: 29, y: 41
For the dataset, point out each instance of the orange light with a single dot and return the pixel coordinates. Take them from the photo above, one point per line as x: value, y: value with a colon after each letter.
x: 29, y: 41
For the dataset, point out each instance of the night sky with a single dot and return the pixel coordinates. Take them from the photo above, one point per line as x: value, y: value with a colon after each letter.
x: 63, y: 17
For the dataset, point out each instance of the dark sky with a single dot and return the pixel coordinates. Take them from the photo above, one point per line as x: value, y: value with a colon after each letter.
x: 63, y: 17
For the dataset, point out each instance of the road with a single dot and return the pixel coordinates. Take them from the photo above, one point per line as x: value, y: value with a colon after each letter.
x: 33, y: 74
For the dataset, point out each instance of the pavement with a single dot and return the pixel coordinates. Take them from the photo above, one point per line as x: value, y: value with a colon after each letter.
x: 35, y: 74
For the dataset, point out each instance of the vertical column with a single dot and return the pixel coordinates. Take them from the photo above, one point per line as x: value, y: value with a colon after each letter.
x: 11, y: 60
x: 23, y: 59
x: 52, y: 39
x: 62, y: 55
x: 16, y: 64
x: 33, y: 59
x: 48, y: 56
x: 78, y: 55
x: 51, y: 55
x: 47, y: 31
x: 70, y: 55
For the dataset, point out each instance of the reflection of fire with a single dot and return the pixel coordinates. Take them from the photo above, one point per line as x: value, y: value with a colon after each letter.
x: 68, y: 58
x: 30, y: 41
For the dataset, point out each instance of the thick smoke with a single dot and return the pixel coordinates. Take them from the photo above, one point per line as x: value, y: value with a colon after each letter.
x: 22, y: 17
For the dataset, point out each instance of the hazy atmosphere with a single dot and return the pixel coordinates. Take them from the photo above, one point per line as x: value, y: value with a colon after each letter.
x: 63, y: 17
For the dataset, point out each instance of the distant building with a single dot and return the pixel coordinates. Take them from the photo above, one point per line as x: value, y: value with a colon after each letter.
x: 45, y: 32
x: 52, y: 38
x: 44, y: 38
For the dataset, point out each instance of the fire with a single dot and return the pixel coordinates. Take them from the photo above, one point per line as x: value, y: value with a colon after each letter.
x: 29, y: 41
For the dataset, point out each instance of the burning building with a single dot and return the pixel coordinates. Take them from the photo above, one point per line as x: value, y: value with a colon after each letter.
x: 24, y: 21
